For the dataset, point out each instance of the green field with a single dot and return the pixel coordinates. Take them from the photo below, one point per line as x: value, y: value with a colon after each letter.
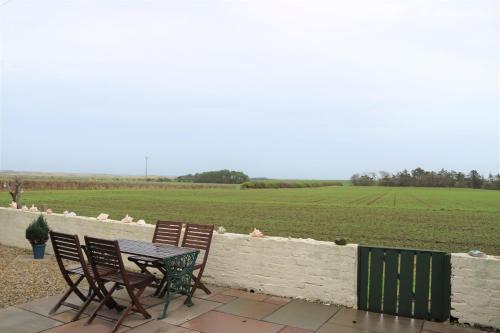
x: 431, y: 218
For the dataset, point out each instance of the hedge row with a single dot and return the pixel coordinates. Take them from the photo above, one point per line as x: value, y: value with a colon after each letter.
x: 283, y: 184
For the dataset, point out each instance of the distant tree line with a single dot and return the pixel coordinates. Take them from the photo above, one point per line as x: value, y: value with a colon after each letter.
x: 217, y: 177
x: 422, y: 178
x: 288, y: 184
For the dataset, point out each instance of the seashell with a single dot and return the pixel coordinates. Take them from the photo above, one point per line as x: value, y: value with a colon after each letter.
x: 477, y: 254
x: 256, y: 233
x: 25, y: 208
x: 33, y: 209
x: 103, y: 217
x: 221, y: 230
x: 128, y: 219
x: 13, y: 204
x: 49, y: 211
x: 141, y: 222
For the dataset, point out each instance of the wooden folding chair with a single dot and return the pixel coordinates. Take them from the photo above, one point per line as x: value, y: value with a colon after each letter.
x: 166, y: 232
x: 67, y: 249
x: 106, y: 253
x: 199, y: 236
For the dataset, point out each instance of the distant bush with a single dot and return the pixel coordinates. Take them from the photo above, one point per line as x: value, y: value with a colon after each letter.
x: 216, y: 177
x: 286, y: 184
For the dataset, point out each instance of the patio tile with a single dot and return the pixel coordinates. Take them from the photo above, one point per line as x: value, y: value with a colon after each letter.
x: 245, y: 294
x: 14, y: 320
x: 302, y: 314
x: 42, y: 306
x: 375, y: 322
x: 434, y: 327
x: 159, y: 326
x: 289, y: 329
x: 147, y: 299
x: 215, y: 290
x: 277, y: 300
x: 132, y: 320
x: 248, y: 308
x: 179, y: 313
x: 221, y: 298
x: 67, y: 316
x: 334, y: 328
x: 219, y: 322
x: 98, y: 326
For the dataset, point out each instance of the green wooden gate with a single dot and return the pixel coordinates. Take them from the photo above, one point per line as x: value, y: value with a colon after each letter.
x: 404, y: 282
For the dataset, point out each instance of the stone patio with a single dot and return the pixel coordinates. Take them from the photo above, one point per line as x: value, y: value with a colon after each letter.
x: 225, y: 311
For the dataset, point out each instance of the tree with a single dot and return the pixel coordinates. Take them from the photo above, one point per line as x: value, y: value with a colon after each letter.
x: 15, y: 189
x: 476, y: 179
x: 219, y: 177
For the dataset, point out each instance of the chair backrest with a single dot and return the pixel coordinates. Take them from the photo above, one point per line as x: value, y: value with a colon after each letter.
x: 198, y: 236
x: 67, y: 247
x: 167, y: 232
x: 104, y: 253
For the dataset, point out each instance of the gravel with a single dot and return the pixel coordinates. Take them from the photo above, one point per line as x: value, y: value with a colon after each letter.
x: 23, y: 279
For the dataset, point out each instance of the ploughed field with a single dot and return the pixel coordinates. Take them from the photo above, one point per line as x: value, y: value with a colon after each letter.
x: 454, y: 220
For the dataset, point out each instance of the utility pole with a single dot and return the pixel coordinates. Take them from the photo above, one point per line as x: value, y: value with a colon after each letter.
x: 146, y: 167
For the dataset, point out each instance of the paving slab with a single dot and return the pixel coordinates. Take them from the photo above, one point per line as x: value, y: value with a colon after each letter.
x: 15, y: 320
x: 434, y: 327
x: 42, y: 306
x: 67, y: 316
x: 245, y: 294
x: 334, y: 328
x: 248, y: 308
x: 375, y: 322
x: 302, y: 314
x: 221, y: 298
x: 278, y: 300
x: 220, y: 322
x: 289, y: 329
x: 179, y: 313
x: 160, y: 327
x: 98, y: 326
x: 214, y: 290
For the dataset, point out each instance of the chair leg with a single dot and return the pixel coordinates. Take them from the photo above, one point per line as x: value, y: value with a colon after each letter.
x: 198, y: 284
x: 90, y: 298
x: 72, y: 288
x: 106, y: 298
x: 134, y: 302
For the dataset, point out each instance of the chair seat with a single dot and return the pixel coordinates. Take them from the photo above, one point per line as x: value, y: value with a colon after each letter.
x: 102, y: 270
x: 136, y: 280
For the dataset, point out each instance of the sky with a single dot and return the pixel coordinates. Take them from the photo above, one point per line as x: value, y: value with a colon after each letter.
x: 283, y: 89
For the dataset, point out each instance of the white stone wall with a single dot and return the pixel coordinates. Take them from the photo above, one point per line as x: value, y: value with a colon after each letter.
x: 301, y: 268
x: 475, y: 290
x: 279, y: 266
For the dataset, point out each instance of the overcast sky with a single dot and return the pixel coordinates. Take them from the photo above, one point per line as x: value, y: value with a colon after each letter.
x: 310, y: 89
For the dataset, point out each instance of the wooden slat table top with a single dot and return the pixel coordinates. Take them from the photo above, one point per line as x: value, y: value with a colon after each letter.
x: 152, y: 250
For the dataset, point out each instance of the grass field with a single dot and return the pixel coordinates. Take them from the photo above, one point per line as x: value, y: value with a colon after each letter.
x: 431, y: 218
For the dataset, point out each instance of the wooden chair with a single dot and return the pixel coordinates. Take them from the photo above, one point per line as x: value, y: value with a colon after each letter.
x: 67, y: 247
x: 199, y: 236
x: 166, y: 232
x: 106, y: 253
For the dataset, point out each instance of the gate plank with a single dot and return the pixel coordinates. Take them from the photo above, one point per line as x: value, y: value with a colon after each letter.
x: 437, y: 284
x: 363, y: 260
x: 391, y: 281
x: 406, y: 283
x: 422, y: 285
x: 376, y: 272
